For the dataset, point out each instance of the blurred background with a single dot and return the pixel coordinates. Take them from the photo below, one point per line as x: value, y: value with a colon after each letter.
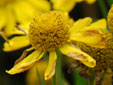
x: 96, y: 10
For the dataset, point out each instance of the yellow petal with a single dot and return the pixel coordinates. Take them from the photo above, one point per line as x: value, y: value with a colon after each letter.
x: 79, y: 0
x: 77, y: 54
x: 2, y: 18
x: 99, y: 24
x: 24, y: 27
x: 110, y: 18
x: 50, y: 71
x: 16, y: 43
x: 26, y: 63
x: 41, y: 5
x: 24, y: 54
x: 80, y: 24
x: 90, y: 1
x: 31, y: 76
x: 64, y: 5
x: 90, y: 37
x: 24, y: 11
x: 10, y: 24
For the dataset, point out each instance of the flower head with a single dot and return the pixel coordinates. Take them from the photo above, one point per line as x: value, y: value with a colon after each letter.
x: 31, y: 77
x: 50, y: 31
x: 19, y: 11
x: 103, y: 56
x: 48, y: 35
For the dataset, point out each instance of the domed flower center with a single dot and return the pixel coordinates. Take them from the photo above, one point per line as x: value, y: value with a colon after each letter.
x: 3, y: 2
x: 49, y: 31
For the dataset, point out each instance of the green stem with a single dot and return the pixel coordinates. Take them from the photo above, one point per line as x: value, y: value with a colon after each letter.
x: 41, y: 80
x: 54, y: 79
x: 92, y: 73
x: 103, y: 8
x: 77, y: 79
x: 59, y: 68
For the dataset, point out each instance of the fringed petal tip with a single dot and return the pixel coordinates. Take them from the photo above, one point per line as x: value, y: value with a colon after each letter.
x: 10, y: 72
x: 90, y: 64
x: 26, y: 63
x: 77, y: 54
x: 50, y: 76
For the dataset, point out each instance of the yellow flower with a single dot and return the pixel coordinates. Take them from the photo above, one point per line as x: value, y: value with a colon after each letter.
x: 50, y: 31
x: 110, y: 18
x: 19, y: 11
x: 32, y: 79
x: 103, y: 56
x: 67, y: 5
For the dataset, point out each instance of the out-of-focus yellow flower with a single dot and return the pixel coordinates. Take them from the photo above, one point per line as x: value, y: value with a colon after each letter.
x: 19, y: 11
x: 32, y: 79
x: 68, y: 5
x: 110, y: 18
x: 50, y: 31
x: 103, y: 57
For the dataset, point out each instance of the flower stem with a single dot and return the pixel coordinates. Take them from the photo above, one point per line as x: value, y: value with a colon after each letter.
x: 92, y: 73
x: 59, y: 68
x: 77, y: 79
x: 103, y: 8
x: 54, y: 79
x: 41, y: 80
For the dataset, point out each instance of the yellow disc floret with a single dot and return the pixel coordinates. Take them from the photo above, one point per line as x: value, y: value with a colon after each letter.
x: 48, y: 31
x: 103, y: 56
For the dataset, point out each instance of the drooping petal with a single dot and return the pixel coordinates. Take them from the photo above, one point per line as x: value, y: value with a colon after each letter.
x: 50, y: 71
x: 77, y: 54
x: 63, y: 5
x: 16, y: 43
x: 41, y: 5
x: 24, y: 54
x: 99, y: 24
x: 92, y: 37
x: 26, y: 63
x: 80, y: 24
